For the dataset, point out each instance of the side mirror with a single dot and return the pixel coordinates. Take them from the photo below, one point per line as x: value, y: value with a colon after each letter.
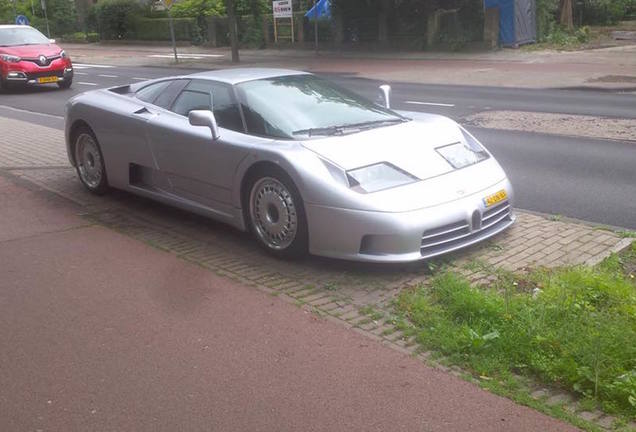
x: 52, y: 41
x: 386, y: 94
x: 205, y: 118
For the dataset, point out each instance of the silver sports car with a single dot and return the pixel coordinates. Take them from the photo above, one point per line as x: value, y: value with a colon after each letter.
x: 305, y: 165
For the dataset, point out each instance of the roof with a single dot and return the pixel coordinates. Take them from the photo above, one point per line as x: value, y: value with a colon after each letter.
x: 239, y: 75
x: 13, y: 26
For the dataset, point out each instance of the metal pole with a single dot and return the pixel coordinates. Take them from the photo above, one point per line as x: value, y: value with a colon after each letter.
x: 316, y: 25
x: 15, y: 11
x: 48, y: 30
x: 174, y: 43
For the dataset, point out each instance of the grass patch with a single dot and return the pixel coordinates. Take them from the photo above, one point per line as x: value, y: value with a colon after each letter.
x: 573, y: 328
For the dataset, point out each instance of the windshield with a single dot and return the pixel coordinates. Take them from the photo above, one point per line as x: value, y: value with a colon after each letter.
x: 14, y: 36
x: 305, y: 105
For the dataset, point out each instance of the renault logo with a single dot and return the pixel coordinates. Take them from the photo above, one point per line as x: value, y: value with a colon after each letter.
x: 42, y: 59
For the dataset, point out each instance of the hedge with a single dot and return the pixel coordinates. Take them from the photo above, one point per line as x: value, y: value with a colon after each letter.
x: 159, y: 29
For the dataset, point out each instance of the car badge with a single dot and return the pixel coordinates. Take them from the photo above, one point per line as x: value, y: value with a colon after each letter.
x: 42, y: 59
x: 461, y: 192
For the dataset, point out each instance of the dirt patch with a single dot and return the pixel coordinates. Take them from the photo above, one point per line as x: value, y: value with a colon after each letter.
x: 559, y: 124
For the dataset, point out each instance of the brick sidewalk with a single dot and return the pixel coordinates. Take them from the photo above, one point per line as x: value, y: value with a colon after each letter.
x: 340, y: 291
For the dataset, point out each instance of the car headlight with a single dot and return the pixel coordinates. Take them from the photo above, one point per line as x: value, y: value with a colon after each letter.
x: 378, y: 177
x: 63, y: 54
x: 465, y: 153
x: 9, y: 58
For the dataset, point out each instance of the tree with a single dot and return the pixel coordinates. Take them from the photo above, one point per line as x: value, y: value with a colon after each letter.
x: 566, y: 14
x: 231, y: 15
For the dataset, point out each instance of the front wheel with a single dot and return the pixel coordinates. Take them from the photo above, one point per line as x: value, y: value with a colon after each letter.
x: 277, y: 216
x: 90, y: 163
x: 65, y: 84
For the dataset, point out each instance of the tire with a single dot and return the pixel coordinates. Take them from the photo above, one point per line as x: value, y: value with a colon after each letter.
x: 65, y: 84
x: 275, y: 214
x: 89, y: 162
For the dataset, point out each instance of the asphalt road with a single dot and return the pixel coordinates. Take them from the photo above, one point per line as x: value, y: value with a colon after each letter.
x: 592, y: 180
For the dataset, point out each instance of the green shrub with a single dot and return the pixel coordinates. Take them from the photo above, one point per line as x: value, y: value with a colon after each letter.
x: 116, y: 18
x: 77, y: 37
x: 158, y: 29
x: 546, y: 18
x: 573, y: 327
x: 606, y: 11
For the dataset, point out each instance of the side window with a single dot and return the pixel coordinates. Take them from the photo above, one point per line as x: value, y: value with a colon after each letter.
x: 200, y: 94
x: 166, y: 97
x: 150, y: 93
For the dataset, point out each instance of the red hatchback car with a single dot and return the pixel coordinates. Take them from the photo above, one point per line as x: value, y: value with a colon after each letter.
x: 29, y: 57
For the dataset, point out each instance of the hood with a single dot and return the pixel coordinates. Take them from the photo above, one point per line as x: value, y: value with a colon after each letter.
x: 409, y: 146
x: 31, y: 51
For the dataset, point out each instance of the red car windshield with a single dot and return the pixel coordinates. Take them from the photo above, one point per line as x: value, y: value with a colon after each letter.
x: 14, y: 36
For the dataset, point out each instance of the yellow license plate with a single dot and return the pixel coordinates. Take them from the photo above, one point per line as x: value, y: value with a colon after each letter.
x: 495, y: 198
x: 48, y: 79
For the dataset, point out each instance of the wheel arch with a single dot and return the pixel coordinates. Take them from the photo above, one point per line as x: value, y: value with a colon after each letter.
x: 77, y: 125
x: 252, y: 171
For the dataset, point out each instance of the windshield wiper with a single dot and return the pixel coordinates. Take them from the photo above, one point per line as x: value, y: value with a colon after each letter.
x: 326, y: 131
x: 340, y: 129
x: 368, y: 124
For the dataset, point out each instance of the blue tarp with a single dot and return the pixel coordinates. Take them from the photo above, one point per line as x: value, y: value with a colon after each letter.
x: 507, y: 34
x: 323, y: 10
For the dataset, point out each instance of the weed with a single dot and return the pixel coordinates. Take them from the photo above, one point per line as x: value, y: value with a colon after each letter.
x: 576, y: 329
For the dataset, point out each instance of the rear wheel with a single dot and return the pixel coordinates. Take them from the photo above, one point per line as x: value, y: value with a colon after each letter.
x: 89, y: 162
x: 276, y: 214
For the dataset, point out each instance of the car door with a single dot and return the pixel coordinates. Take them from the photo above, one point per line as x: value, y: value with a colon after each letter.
x: 120, y: 126
x: 199, y: 168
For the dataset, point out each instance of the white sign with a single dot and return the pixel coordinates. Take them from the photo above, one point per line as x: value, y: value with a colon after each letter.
x: 282, y: 8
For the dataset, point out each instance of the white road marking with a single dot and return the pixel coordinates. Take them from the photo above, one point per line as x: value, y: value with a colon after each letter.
x: 108, y: 76
x: 192, y: 56
x: 30, y: 112
x: 87, y: 83
x: 80, y: 73
x: 429, y: 103
x: 140, y: 79
x: 86, y: 66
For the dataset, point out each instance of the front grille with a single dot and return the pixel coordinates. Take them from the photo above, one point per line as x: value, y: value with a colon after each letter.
x: 36, y: 75
x: 47, y: 60
x: 452, y: 236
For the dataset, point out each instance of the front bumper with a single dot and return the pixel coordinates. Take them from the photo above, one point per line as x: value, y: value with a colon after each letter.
x: 25, y: 72
x: 407, y: 236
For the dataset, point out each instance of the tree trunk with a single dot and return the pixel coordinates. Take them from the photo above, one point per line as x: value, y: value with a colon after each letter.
x: 566, y: 14
x: 383, y: 22
x: 231, y: 15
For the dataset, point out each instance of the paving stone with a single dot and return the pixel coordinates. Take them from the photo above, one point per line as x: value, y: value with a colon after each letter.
x: 350, y: 315
x: 538, y: 394
x: 590, y: 415
x: 606, y: 421
x: 559, y: 399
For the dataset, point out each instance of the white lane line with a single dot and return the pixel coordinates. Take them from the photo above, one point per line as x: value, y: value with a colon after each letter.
x: 87, y: 83
x: 80, y: 73
x: 140, y: 79
x: 108, y: 76
x: 429, y: 103
x: 30, y: 112
x: 187, y: 56
x: 86, y: 66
